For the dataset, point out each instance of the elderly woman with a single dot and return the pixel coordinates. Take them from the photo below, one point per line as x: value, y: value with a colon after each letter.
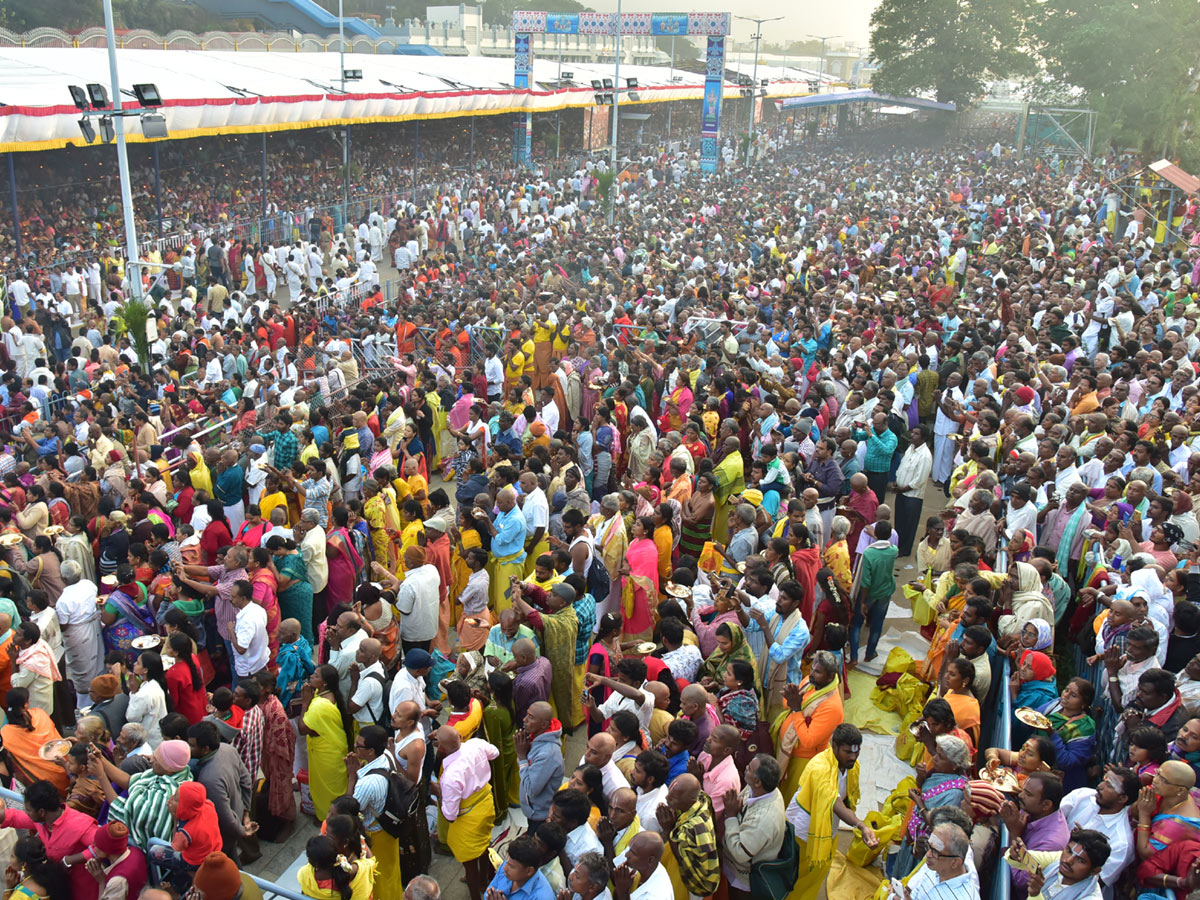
x: 944, y: 784
x: 80, y: 621
x: 220, y: 585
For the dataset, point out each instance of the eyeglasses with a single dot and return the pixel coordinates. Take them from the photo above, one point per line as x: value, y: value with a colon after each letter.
x: 1158, y: 776
x: 938, y: 853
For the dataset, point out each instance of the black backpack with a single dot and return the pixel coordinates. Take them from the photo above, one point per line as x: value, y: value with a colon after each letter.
x: 598, y: 582
x: 403, y: 799
x: 384, y: 720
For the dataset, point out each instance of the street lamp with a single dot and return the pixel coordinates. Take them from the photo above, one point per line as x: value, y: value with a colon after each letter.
x: 822, y: 39
x: 616, y: 102
x: 754, y: 82
x: 93, y: 102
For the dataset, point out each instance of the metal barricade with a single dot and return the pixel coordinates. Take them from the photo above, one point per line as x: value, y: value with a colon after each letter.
x: 269, y: 888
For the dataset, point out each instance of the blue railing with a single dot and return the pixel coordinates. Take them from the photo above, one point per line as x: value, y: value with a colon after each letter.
x: 1001, y: 737
x: 269, y: 888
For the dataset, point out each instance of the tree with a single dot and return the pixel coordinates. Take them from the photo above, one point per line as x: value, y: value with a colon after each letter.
x: 1131, y: 63
x: 950, y: 47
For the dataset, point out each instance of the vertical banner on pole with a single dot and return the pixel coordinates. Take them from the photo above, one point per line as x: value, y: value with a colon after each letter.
x: 710, y: 118
x: 523, y: 122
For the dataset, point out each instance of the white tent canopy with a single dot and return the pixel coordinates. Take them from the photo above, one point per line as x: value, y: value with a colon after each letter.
x: 230, y: 92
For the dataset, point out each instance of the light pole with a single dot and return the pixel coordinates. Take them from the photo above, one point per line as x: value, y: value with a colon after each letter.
x: 616, y: 103
x: 671, y: 80
x: 132, y: 256
x: 558, y: 122
x: 821, y: 70
x: 345, y: 128
x: 754, y: 82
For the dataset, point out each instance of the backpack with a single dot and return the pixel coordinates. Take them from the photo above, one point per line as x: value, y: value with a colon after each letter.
x: 598, y: 582
x: 383, y: 720
x: 773, y: 879
x: 403, y: 799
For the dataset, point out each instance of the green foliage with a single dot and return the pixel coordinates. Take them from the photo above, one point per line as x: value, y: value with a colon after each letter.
x: 160, y: 16
x: 131, y: 319
x: 950, y: 47
x: 1132, y: 63
x: 604, y: 187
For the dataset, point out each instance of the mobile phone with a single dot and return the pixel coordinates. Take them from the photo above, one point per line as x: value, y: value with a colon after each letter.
x: 898, y: 888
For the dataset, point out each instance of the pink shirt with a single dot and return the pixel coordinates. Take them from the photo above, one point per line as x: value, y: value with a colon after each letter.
x: 717, y: 780
x: 464, y: 772
x: 72, y: 832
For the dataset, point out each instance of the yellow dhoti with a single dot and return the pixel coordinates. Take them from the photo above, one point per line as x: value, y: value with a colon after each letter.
x: 499, y: 571
x: 388, y: 883
x: 812, y: 876
x: 470, y: 835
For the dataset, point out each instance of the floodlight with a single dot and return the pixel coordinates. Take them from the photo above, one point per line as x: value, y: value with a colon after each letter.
x: 608, y: 84
x: 89, y: 133
x: 634, y: 96
x: 147, y: 95
x: 352, y: 74
x: 107, y: 132
x: 568, y: 76
x: 631, y: 82
x: 600, y: 99
x: 764, y: 82
x: 99, y: 96
x: 154, y: 125
x: 596, y: 85
x: 79, y: 95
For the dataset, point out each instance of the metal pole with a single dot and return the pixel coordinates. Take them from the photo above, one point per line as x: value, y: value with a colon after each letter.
x: 416, y: 152
x: 263, y: 174
x: 558, y: 123
x: 612, y: 205
x: 346, y: 129
x: 132, y: 266
x: 753, y: 99
x: 671, y: 81
x: 472, y: 162
x: 12, y: 197
x: 157, y: 189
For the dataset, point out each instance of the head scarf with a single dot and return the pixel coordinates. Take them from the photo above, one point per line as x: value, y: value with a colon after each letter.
x: 1045, y: 633
x: 718, y: 660
x: 1043, y: 668
x: 1172, y: 532
x: 198, y: 814
x: 199, y: 474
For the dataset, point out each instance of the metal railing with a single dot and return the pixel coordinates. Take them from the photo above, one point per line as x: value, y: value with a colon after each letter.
x: 269, y: 888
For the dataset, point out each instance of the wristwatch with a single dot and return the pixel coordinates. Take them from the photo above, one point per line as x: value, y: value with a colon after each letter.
x: 1113, y: 679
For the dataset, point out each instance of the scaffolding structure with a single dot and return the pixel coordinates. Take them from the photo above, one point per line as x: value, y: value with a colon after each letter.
x: 1070, y: 130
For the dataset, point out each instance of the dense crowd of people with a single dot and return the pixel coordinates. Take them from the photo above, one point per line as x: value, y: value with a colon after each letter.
x: 375, y: 556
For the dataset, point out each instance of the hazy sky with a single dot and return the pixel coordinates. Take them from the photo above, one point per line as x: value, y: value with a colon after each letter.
x: 848, y: 18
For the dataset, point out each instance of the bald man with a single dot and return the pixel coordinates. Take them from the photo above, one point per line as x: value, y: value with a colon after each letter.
x: 533, y: 676
x: 716, y: 768
x: 643, y: 862
x: 599, y: 753
x: 367, y: 682
x: 686, y: 821
x: 539, y: 760
x: 660, y: 718
x: 621, y: 825
x: 464, y: 794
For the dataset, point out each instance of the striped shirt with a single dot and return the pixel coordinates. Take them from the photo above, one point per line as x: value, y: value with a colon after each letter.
x: 694, y: 843
x: 371, y: 792
x: 144, y: 811
x: 961, y: 888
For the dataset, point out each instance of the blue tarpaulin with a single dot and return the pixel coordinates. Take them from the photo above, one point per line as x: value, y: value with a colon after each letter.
x: 864, y: 95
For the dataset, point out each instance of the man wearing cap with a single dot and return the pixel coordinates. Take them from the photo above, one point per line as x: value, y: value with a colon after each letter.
x: 144, y: 808
x: 409, y: 683
x: 219, y: 878
x: 109, y: 702
x: 417, y: 600
x: 118, y: 869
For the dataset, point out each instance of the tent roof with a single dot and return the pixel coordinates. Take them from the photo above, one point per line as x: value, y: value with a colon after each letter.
x: 229, y: 92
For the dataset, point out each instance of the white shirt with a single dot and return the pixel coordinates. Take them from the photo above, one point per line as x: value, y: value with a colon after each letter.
x: 369, y: 695
x: 406, y: 686
x: 148, y: 706
x: 925, y: 878
x: 613, y: 779
x: 1080, y: 808
x: 617, y: 702
x: 250, y: 629
x: 964, y: 887
x: 656, y: 887
x: 343, y: 658
x: 417, y: 603
x: 647, y: 803
x: 47, y: 621
x: 536, y: 510
x: 915, y: 468
x: 77, y: 604
x: 580, y: 841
